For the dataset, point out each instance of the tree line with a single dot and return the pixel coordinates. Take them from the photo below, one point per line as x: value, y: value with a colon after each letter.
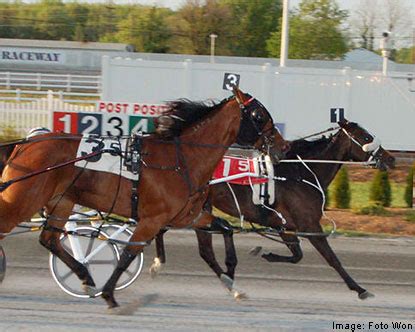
x: 318, y: 28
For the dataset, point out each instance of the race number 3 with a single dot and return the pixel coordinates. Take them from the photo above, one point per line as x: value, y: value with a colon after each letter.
x: 230, y: 80
x: 336, y: 115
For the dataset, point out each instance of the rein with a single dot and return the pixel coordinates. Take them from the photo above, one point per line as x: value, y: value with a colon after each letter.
x: 5, y: 185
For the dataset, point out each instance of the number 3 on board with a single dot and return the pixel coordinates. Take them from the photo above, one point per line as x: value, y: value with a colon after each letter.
x: 230, y: 80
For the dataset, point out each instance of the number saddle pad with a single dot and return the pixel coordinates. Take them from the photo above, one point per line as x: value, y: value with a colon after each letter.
x: 259, y: 172
x: 107, y: 161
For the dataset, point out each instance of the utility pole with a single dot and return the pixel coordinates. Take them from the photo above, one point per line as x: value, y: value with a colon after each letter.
x: 385, y: 47
x: 212, y: 47
x: 284, y: 33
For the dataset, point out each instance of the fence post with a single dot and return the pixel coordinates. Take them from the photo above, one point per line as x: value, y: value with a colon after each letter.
x: 38, y: 81
x: 266, y: 82
x: 188, y: 66
x: 50, y: 109
x: 8, y: 80
x: 68, y: 82
x: 18, y: 94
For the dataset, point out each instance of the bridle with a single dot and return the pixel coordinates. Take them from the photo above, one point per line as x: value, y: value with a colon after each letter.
x: 371, y: 148
x: 248, y: 108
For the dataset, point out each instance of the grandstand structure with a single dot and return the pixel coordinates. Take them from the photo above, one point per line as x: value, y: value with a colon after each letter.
x: 63, y: 57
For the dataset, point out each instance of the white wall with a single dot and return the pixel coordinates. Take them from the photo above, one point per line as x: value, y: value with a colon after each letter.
x: 301, y: 98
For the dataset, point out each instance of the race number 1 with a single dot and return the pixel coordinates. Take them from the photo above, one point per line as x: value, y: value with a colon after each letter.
x: 230, y: 80
x: 336, y: 115
x: 65, y: 122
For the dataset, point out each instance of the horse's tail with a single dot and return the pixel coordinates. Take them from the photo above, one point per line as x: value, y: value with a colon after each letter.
x: 5, y: 152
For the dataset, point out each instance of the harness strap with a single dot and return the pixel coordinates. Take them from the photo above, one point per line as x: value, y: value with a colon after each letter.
x: 135, y: 168
x: 5, y: 185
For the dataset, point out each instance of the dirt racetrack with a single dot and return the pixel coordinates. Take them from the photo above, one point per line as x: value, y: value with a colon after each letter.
x: 186, y: 296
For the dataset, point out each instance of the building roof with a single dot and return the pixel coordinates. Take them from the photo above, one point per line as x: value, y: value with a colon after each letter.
x: 5, y: 42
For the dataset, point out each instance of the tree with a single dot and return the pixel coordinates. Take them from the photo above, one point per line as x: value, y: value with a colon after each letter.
x: 408, y: 196
x: 315, y: 32
x: 18, y: 20
x: 7, y: 13
x: 365, y: 22
x: 380, y: 189
x: 78, y: 16
x: 257, y: 19
x: 373, y: 17
x: 52, y: 20
x: 395, y: 17
x: 341, y: 190
x: 195, y: 21
x: 155, y: 31
x: 405, y: 55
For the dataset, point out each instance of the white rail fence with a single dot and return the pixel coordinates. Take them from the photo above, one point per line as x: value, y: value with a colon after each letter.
x: 19, y: 118
x: 69, y: 88
x: 45, y: 81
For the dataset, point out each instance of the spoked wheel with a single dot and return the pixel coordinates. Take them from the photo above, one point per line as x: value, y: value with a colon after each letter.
x: 136, y: 266
x: 2, y: 264
x: 100, y: 257
x: 100, y: 265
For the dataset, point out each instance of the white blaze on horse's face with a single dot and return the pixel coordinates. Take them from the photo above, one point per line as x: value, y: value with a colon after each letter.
x: 372, y: 146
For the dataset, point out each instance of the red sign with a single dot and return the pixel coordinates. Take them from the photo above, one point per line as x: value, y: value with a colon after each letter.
x: 65, y: 122
x: 233, y: 166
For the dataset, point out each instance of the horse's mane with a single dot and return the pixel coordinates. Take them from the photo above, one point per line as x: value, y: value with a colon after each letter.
x: 181, y: 114
x: 306, y: 149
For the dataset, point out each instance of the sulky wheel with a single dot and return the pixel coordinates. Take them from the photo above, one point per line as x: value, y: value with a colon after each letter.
x: 100, y: 257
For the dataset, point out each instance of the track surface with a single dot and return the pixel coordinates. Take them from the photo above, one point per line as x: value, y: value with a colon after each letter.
x: 186, y: 296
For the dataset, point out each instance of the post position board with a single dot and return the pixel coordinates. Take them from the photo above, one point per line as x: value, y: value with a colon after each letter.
x: 109, y: 119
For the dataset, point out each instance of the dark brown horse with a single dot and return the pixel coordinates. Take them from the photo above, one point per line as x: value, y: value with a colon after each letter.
x: 299, y: 203
x: 175, y: 167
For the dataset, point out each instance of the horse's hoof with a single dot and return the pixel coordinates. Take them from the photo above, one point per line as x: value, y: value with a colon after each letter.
x: 227, y: 281
x: 91, y: 291
x: 131, y: 308
x: 365, y: 295
x: 125, y: 310
x: 155, y: 268
x: 255, y: 251
x: 238, y: 296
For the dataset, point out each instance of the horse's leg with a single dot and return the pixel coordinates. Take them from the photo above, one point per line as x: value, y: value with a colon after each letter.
x: 231, y: 259
x: 323, y: 247
x: 145, y: 231
x: 160, y: 259
x: 207, y: 253
x: 293, y: 244
x: 204, y: 240
x: 50, y: 239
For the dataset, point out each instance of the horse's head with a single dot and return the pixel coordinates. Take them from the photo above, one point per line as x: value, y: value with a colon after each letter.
x: 365, y: 146
x: 257, y: 127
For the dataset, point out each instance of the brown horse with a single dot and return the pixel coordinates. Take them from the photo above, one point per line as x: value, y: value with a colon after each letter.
x: 299, y: 203
x: 175, y: 167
